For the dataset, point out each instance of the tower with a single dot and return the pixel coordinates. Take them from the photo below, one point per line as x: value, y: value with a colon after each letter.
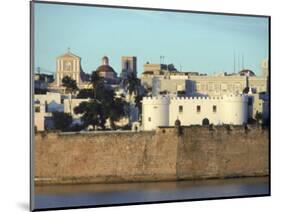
x: 68, y: 64
x: 105, y: 60
x: 129, y: 66
x: 264, y: 67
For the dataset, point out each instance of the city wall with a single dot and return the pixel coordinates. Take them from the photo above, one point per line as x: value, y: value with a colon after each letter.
x: 198, y: 153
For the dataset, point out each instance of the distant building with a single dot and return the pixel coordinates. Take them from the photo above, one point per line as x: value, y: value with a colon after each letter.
x: 258, y: 103
x: 41, y: 82
x: 202, y: 85
x: 69, y: 64
x: 44, y: 105
x: 264, y: 67
x: 105, y: 70
x: 129, y: 66
x: 165, y: 110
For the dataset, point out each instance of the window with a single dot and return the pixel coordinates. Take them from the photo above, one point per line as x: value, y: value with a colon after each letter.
x: 198, y: 108
x: 37, y: 109
x: 214, y: 108
x: 149, y: 119
x: 180, y: 109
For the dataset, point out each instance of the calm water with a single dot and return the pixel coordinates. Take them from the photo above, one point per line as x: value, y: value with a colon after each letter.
x: 100, y: 194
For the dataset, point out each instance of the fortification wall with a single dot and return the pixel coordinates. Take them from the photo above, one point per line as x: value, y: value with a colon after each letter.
x: 163, y: 111
x: 150, y: 156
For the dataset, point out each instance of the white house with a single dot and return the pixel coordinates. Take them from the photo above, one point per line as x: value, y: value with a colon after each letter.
x: 44, y: 105
x: 165, y: 110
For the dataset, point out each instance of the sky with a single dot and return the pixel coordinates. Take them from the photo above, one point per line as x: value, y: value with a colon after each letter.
x: 205, y: 43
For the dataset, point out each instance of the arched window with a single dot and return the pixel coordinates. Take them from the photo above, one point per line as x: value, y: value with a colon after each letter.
x: 205, y: 122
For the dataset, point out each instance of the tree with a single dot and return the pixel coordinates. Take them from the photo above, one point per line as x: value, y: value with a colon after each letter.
x: 258, y: 117
x: 132, y: 83
x: 96, y: 81
x: 91, y: 113
x: 171, y: 67
x: 104, y: 106
x: 85, y: 94
x: 116, y: 111
x: 62, y: 121
x: 246, y: 90
x: 113, y: 108
x: 70, y: 88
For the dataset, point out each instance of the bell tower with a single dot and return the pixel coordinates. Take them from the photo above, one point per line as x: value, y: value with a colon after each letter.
x: 68, y: 64
x: 129, y: 65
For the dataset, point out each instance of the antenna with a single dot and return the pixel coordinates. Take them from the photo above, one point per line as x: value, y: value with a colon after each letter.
x: 239, y: 63
x: 38, y: 70
x: 234, y: 61
x: 242, y: 61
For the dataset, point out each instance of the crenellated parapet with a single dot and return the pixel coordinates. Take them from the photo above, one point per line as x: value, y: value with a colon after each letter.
x: 167, y: 99
x: 217, y: 110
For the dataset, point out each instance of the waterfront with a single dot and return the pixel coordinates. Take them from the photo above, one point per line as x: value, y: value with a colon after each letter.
x: 54, y: 196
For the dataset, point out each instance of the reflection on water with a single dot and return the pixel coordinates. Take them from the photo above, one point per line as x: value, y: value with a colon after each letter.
x: 100, y: 194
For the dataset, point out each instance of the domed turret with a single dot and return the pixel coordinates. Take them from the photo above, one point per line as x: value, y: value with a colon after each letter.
x: 105, y: 60
x: 105, y: 70
x: 246, y: 72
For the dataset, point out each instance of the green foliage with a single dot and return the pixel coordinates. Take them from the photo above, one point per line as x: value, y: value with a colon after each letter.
x: 96, y: 82
x: 104, y: 105
x: 91, y: 113
x: 132, y: 83
x: 62, y: 121
x: 40, y: 91
x: 258, y: 116
x: 85, y: 94
x: 138, y: 103
x: 246, y: 90
x: 171, y: 67
x: 69, y: 84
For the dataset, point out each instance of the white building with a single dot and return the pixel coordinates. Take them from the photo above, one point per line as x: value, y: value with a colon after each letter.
x: 69, y: 65
x: 258, y: 103
x: 44, y: 105
x: 164, y: 110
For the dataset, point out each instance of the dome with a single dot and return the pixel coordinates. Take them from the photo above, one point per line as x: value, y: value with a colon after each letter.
x: 246, y: 72
x: 105, y: 68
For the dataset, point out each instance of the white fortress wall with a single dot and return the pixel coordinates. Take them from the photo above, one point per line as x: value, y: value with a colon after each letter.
x: 155, y: 112
x: 190, y: 115
x: 235, y: 109
x: 164, y: 111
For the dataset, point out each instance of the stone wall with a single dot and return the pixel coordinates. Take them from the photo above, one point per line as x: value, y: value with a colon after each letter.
x: 150, y: 156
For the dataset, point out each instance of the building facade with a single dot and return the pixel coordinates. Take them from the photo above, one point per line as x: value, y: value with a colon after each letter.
x: 69, y: 64
x: 44, y: 105
x: 105, y: 70
x: 129, y: 66
x: 165, y: 110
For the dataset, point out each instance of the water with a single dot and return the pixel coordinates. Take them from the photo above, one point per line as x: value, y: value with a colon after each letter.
x: 102, y: 194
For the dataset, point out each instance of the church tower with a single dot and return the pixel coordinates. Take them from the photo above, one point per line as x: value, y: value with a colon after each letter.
x: 129, y: 65
x: 68, y: 64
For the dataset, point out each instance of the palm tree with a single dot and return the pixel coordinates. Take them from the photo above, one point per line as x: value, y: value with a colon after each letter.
x: 95, y: 81
x: 258, y: 117
x: 91, y: 113
x: 132, y: 83
x: 70, y: 88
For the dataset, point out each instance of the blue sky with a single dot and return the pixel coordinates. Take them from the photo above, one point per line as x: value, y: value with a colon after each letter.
x: 195, y: 42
